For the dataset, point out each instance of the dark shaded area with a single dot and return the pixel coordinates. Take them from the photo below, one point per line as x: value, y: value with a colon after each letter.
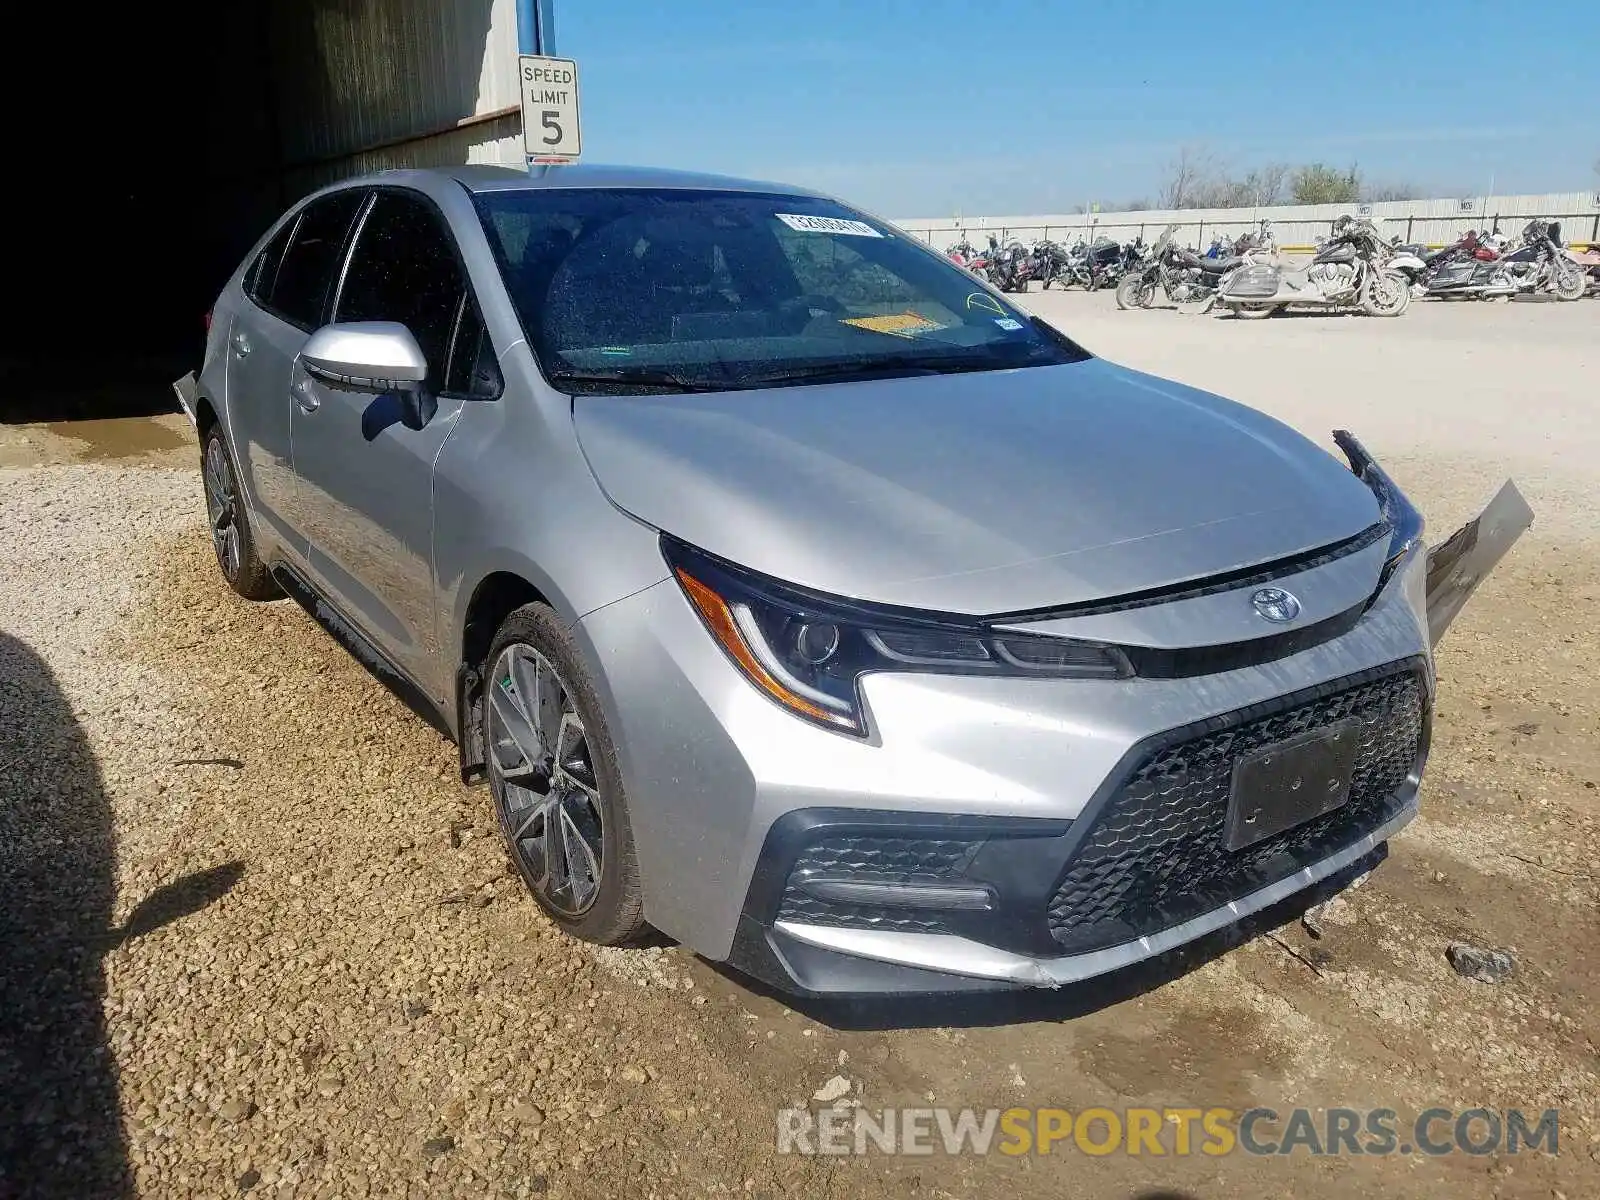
x: 1025, y: 1005
x: 141, y: 176
x: 60, y: 1127
x: 125, y: 247
x: 60, y: 1133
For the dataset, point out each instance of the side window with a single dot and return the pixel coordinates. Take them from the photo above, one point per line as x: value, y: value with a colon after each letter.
x: 404, y: 269
x: 473, y: 369
x: 304, y: 276
x: 264, y: 271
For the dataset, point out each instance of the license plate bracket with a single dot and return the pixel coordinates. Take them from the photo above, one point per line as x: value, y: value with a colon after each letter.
x: 1291, y: 782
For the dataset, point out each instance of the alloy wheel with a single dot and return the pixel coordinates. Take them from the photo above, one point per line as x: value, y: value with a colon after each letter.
x: 222, y: 506
x: 543, y: 778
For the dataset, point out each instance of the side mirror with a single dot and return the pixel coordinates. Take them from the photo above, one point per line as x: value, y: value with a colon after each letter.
x: 373, y: 356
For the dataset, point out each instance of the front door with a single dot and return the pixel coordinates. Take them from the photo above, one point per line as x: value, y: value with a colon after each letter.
x: 365, y: 479
x: 287, y: 289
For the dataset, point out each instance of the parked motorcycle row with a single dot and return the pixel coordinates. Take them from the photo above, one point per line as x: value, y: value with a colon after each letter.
x: 1013, y: 265
x: 1488, y: 266
x: 1353, y: 270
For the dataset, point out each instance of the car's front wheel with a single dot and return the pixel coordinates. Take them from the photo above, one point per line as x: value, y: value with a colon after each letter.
x: 231, y: 535
x: 557, y: 790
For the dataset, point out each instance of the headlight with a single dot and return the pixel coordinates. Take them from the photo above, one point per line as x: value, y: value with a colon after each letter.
x: 1399, y: 514
x: 808, y: 652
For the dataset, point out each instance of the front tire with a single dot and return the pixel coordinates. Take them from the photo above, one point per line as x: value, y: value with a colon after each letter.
x: 231, y: 535
x: 1134, y: 292
x: 1568, y: 284
x: 1387, y: 295
x: 556, y: 786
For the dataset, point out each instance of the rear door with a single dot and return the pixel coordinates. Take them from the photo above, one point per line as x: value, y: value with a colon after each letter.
x: 289, y: 287
x: 365, y: 479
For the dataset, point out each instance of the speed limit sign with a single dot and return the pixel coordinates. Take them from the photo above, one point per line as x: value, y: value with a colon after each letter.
x: 550, y: 109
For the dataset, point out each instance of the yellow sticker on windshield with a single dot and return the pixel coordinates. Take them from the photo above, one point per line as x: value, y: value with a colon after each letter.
x: 984, y: 300
x: 906, y: 324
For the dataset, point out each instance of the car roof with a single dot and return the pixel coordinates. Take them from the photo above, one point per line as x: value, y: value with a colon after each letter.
x: 481, y: 178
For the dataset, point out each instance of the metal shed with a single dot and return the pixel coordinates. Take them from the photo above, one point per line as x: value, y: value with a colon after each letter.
x: 148, y: 182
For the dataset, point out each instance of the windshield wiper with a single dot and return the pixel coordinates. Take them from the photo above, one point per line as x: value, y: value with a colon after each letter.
x: 652, y: 377
x: 922, y: 364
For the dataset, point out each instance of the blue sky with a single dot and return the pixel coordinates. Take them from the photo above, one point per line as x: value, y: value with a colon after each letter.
x: 934, y: 107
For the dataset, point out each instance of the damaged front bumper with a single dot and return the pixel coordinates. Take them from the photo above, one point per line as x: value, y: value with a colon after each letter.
x: 187, y: 390
x: 1457, y: 565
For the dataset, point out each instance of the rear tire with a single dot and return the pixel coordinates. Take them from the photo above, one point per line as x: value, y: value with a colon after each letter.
x: 553, y: 774
x: 231, y: 535
x: 1254, y: 312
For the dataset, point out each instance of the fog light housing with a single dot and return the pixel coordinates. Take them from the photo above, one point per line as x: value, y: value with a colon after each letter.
x: 912, y: 892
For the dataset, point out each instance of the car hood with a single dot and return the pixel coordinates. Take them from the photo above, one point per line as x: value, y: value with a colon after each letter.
x: 975, y: 493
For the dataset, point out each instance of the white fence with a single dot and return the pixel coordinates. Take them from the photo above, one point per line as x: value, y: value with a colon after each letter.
x: 1435, y: 222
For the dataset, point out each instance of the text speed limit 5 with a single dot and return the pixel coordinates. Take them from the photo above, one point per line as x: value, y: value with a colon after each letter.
x: 550, y: 131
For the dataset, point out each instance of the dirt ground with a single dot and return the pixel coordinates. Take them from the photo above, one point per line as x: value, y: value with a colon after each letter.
x: 255, y: 939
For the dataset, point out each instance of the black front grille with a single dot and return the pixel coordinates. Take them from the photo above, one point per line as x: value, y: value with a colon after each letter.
x: 876, y: 859
x: 1155, y: 854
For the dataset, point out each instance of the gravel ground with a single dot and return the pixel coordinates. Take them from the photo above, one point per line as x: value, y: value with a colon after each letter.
x: 255, y: 939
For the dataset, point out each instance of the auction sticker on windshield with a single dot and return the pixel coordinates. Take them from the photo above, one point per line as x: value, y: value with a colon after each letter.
x: 906, y: 324
x: 806, y: 224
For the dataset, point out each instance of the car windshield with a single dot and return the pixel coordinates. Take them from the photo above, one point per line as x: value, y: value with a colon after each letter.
x: 670, y: 290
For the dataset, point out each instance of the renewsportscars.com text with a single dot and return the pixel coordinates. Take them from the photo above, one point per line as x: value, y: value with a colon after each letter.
x: 1176, y: 1132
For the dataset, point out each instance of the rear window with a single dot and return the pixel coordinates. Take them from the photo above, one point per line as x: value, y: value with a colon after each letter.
x: 304, y: 273
x: 678, y: 290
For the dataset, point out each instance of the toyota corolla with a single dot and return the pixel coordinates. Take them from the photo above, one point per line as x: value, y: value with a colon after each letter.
x: 800, y: 596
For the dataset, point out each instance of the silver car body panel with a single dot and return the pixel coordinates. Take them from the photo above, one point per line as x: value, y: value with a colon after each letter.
x: 978, y: 493
x: 1030, y: 492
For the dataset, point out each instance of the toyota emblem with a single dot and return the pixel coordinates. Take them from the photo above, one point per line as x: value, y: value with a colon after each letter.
x: 1275, y: 604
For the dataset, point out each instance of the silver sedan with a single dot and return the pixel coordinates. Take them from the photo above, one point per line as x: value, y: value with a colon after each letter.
x: 802, y: 597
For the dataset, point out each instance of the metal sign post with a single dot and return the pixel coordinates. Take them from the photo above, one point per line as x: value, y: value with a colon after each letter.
x: 549, y: 86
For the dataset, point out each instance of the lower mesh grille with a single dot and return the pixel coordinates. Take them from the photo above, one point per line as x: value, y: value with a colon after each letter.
x: 1156, y: 854
x: 874, y: 859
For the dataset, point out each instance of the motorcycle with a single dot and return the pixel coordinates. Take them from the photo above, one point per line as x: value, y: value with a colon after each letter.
x: 1350, y: 271
x: 1589, y: 260
x: 1010, y: 265
x: 1184, y: 276
x: 1409, y: 261
x: 1050, y: 262
x: 1466, y: 268
x: 964, y: 254
x: 1541, y: 264
x: 1103, y: 261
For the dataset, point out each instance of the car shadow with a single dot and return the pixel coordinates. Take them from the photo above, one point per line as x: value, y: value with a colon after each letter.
x: 60, y: 1123
x: 1028, y: 1005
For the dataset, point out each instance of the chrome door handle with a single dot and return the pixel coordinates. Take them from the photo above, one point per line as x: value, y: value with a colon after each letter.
x: 241, y: 345
x: 305, y: 395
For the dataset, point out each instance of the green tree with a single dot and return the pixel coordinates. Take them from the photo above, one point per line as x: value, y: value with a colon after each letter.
x: 1316, y: 183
